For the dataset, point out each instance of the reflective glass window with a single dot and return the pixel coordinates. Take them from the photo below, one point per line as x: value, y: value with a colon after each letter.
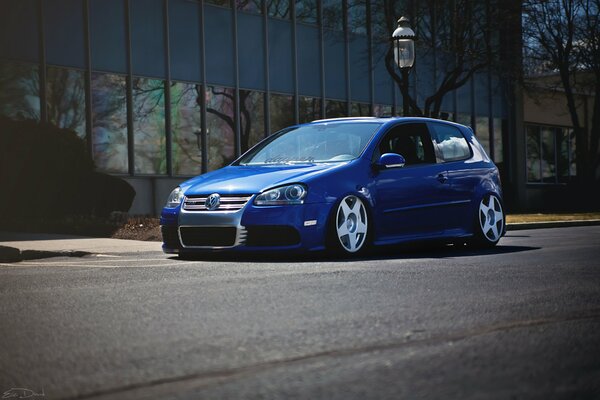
x: 482, y: 130
x: 498, y: 143
x: 361, y: 109
x: 309, y: 109
x: 464, y: 119
x: 533, y: 154
x: 548, y: 155
x: 357, y: 16
x: 335, y: 109
x: 252, y: 6
x: 282, y: 111
x: 19, y: 90
x: 252, y: 118
x: 107, y: 45
x: 333, y: 15
x: 278, y: 8
x: 220, y: 125
x: 186, y: 128
x: 222, y: 3
x: 147, y: 37
x: 65, y: 97
x: 149, y: 135
x: 382, y: 110
x: 306, y: 11
x: 109, y: 117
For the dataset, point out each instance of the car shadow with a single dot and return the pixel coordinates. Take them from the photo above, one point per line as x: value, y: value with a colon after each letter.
x: 401, y: 252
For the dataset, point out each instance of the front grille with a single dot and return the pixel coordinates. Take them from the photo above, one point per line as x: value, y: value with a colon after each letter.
x: 170, y: 237
x: 272, y: 235
x: 228, y: 203
x: 210, y: 236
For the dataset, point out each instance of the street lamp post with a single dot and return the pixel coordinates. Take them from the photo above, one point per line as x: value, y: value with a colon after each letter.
x: 403, y: 40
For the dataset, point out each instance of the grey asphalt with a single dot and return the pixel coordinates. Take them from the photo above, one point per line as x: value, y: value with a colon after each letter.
x: 519, y: 321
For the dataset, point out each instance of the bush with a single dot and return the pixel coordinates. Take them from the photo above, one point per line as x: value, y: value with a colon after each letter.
x: 46, y: 171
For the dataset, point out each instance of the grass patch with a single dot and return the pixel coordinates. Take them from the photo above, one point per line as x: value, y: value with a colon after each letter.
x: 524, y: 218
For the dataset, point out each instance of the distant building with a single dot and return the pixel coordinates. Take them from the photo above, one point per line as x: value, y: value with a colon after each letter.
x: 162, y: 90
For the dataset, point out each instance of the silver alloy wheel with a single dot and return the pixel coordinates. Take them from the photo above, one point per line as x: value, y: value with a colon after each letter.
x: 491, y: 218
x: 351, y: 224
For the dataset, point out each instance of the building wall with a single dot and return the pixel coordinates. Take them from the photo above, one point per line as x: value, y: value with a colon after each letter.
x: 551, y: 168
x: 162, y: 90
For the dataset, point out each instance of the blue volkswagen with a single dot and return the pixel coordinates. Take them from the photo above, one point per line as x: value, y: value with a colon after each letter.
x: 342, y: 184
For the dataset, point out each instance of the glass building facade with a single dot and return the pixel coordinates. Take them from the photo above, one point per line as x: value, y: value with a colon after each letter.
x: 168, y: 89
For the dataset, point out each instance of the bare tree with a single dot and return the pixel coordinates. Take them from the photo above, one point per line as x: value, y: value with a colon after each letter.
x: 562, y: 37
x: 459, y: 37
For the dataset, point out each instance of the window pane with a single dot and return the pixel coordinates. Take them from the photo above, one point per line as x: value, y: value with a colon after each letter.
x: 548, y: 155
x: 149, y: 126
x: 357, y: 16
x: 361, y: 110
x: 306, y: 11
x: 333, y: 16
x: 533, y: 154
x: 463, y: 118
x: 66, y: 99
x: 573, y: 147
x: 335, y: 109
x: 278, y: 8
x: 224, y: 3
x: 186, y: 129
x: 310, y: 109
x: 381, y: 110
x: 562, y: 145
x: 252, y: 117
x: 282, y: 114
x: 498, y: 143
x: 19, y: 91
x: 220, y: 126
x: 253, y: 6
x: 450, y: 142
x: 109, y: 114
x: 482, y: 131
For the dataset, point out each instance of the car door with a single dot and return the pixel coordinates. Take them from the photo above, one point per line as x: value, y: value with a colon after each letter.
x: 409, y: 199
x: 453, y: 151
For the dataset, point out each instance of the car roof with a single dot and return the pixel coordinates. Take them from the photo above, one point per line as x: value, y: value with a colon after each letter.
x: 385, y: 120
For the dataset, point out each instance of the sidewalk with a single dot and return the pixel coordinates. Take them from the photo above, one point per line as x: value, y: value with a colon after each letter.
x: 26, y: 246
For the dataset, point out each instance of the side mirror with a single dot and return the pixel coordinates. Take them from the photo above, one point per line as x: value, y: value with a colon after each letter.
x: 390, y: 160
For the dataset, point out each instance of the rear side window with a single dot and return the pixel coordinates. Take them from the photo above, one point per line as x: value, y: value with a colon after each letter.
x: 450, y: 143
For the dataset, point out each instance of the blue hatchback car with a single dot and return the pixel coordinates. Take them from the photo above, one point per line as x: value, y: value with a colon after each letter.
x: 342, y: 184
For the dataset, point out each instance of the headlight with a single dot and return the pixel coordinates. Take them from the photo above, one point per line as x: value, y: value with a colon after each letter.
x: 175, y: 198
x: 291, y: 194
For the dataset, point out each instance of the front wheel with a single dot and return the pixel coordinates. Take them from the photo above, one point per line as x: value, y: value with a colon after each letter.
x: 490, y: 221
x: 350, y: 225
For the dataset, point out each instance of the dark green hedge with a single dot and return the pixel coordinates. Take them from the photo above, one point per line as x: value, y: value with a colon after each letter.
x: 46, y: 171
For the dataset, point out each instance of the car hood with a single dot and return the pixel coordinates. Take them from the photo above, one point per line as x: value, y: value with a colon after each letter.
x: 253, y: 179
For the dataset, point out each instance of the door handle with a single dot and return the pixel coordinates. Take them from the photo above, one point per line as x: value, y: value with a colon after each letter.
x: 442, y: 178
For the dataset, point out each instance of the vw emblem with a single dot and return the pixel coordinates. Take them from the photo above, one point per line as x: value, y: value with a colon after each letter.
x: 213, y: 202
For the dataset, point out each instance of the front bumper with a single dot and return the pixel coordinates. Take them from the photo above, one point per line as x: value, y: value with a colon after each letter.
x: 252, y: 228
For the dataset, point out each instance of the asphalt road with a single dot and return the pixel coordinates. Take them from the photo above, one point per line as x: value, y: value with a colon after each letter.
x: 521, y: 321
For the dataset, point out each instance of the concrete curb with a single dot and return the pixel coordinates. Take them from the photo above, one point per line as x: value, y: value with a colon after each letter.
x: 551, y: 224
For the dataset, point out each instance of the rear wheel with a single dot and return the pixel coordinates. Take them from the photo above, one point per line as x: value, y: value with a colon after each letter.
x: 350, y: 226
x: 490, y: 221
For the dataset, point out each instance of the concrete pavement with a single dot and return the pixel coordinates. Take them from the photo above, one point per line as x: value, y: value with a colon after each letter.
x: 17, y: 246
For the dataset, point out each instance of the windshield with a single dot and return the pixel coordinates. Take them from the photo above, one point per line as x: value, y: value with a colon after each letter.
x: 322, y: 142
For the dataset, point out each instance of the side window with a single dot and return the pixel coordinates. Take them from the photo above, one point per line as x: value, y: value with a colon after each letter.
x: 409, y: 140
x: 450, y: 142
